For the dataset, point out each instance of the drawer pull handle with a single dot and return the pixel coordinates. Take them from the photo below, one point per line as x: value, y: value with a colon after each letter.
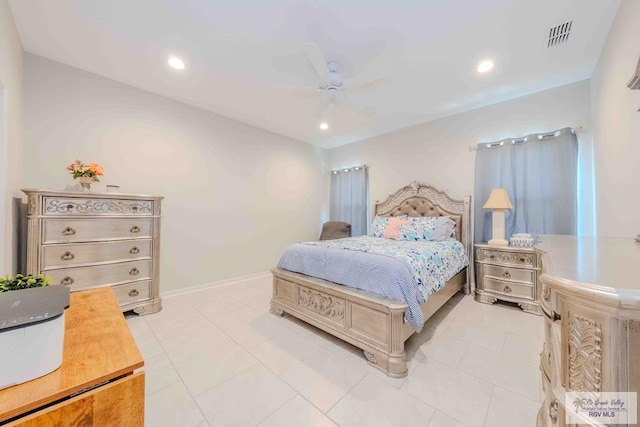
x: 506, y: 274
x: 67, y: 281
x: 492, y: 257
x: 134, y: 293
x: 134, y: 272
x: 553, y: 411
x: 68, y: 231
x: 135, y: 229
x: 507, y: 289
x: 67, y: 256
x: 134, y: 250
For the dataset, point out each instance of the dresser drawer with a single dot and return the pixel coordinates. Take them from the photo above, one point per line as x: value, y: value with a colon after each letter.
x: 86, y: 230
x: 498, y: 272
x: 132, y: 292
x: 509, y: 288
x: 61, y: 256
x: 59, y: 206
x: 99, y: 275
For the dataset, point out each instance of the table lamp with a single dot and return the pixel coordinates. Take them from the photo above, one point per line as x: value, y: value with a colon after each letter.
x: 498, y: 201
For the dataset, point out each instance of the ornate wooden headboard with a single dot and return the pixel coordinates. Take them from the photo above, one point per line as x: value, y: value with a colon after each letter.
x: 418, y: 199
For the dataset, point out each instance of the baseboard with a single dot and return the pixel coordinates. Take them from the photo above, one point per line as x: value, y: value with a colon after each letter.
x: 218, y: 284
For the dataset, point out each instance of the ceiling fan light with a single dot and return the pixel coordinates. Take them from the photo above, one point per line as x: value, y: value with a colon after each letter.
x: 324, y: 126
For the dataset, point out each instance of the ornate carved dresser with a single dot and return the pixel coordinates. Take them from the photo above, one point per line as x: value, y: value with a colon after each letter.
x: 88, y: 240
x: 591, y: 304
x: 509, y: 274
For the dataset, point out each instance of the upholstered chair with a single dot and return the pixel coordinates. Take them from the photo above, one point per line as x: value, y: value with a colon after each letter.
x: 335, y: 230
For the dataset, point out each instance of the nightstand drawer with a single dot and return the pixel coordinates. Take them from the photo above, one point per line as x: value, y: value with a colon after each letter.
x: 518, y: 274
x: 509, y: 288
x: 516, y: 259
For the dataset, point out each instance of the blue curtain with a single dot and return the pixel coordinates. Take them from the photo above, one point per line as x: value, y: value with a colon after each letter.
x: 540, y: 173
x: 349, y: 198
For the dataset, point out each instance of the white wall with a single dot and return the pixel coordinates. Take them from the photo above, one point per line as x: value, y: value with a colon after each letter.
x: 10, y: 137
x: 616, y: 125
x: 235, y: 196
x: 438, y: 152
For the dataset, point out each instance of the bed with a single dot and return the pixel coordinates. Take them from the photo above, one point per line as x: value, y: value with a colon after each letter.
x: 375, y: 324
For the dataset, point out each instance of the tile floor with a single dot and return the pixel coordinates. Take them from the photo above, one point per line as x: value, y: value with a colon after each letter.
x: 217, y: 357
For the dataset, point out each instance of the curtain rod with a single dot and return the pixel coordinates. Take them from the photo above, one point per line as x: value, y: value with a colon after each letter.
x: 521, y: 140
x: 352, y: 168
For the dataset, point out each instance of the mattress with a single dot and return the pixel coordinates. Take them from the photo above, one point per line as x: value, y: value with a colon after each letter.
x: 407, y: 271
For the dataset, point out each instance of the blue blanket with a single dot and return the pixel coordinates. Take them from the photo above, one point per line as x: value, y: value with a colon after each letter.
x: 407, y: 271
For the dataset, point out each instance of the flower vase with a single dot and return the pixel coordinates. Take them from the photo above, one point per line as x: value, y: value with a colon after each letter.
x: 85, y: 183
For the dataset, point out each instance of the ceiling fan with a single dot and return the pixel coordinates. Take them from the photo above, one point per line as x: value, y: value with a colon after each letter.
x: 332, y: 85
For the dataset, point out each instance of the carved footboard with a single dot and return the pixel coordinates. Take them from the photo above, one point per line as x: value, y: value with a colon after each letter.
x: 371, y: 323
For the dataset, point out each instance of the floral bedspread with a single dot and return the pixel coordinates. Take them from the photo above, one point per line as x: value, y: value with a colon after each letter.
x: 432, y: 263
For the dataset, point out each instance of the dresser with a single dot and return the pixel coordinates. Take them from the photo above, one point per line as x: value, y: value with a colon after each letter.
x: 591, y: 304
x: 98, y: 383
x: 88, y: 240
x: 509, y: 274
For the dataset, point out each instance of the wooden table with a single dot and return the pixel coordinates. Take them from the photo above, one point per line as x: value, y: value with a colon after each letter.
x: 96, y: 384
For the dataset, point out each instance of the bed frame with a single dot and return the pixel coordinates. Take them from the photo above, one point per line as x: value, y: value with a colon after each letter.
x: 370, y: 322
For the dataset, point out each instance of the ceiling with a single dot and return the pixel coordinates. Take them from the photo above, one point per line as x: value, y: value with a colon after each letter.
x: 245, y: 59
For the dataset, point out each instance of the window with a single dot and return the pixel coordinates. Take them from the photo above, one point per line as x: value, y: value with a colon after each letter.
x: 540, y: 173
x: 349, y: 198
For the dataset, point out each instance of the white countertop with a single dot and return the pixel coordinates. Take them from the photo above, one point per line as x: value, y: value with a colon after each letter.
x: 610, y: 263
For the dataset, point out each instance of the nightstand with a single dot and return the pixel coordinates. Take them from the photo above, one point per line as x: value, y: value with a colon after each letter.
x: 509, y: 274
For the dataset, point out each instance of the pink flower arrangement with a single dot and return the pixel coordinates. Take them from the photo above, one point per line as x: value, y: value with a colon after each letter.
x: 89, y: 170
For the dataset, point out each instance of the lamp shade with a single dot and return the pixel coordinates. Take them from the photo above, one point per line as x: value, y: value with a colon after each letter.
x: 498, y: 199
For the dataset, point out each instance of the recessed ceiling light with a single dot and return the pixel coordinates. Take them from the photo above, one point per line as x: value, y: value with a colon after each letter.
x: 485, y: 66
x: 176, y: 63
x: 324, y: 126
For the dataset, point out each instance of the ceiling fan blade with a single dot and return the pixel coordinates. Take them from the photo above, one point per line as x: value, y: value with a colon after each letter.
x: 366, y: 112
x: 319, y: 63
x: 367, y: 77
x: 322, y: 110
x: 299, y: 91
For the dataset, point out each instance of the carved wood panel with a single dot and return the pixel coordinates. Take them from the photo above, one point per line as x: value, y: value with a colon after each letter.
x: 417, y: 189
x: 321, y: 303
x: 585, y: 354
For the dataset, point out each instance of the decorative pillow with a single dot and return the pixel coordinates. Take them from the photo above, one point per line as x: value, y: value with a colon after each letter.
x: 379, y: 225
x: 393, y: 227
x: 428, y: 228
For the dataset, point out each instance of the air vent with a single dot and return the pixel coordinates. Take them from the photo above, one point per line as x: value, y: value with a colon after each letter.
x: 559, y: 34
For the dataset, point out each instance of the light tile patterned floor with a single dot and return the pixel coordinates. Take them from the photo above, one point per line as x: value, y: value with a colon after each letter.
x: 216, y: 357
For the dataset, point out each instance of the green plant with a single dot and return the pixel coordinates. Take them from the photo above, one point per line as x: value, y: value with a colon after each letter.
x: 23, y: 282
